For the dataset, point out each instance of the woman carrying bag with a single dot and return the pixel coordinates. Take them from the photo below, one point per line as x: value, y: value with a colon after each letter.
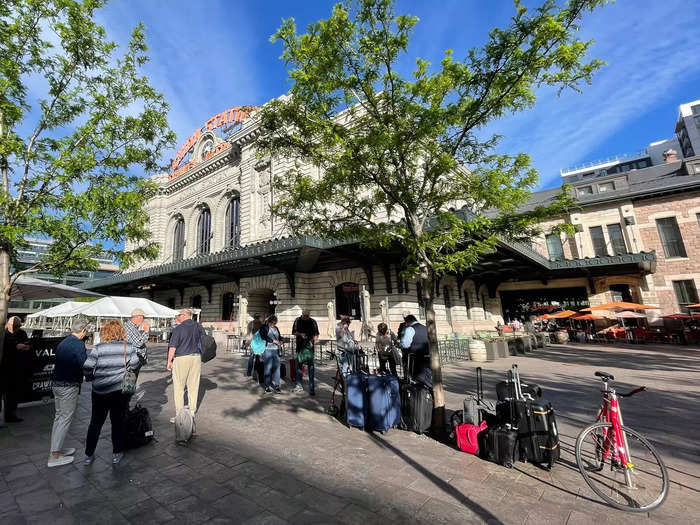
x: 109, y: 367
x: 386, y: 349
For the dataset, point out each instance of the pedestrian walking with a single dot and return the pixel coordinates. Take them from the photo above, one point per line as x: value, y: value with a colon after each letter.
x: 185, y: 361
x: 305, y: 329
x: 137, y: 332
x: 345, y: 341
x: 67, y: 378
x: 271, y: 358
x: 384, y: 345
x: 11, y: 372
x: 105, y: 366
x: 253, y: 327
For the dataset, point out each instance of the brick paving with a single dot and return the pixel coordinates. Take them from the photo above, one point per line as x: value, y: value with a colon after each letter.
x: 281, y: 459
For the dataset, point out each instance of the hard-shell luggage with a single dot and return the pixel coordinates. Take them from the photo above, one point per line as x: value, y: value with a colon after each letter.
x: 500, y: 445
x: 474, y: 404
x: 416, y: 407
x: 139, y: 429
x: 383, y: 403
x: 355, y: 389
x: 184, y: 426
x: 504, y: 390
x: 538, y: 437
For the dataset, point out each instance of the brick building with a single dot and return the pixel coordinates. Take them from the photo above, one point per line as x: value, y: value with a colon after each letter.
x: 638, y: 238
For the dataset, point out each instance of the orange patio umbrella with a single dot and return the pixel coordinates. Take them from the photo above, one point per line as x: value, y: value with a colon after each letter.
x: 694, y: 305
x: 588, y: 317
x: 676, y: 316
x: 622, y: 305
x: 563, y: 315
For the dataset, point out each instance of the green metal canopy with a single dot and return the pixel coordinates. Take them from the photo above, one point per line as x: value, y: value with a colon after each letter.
x: 307, y: 254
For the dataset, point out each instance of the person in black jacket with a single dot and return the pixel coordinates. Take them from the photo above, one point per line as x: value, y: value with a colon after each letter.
x: 10, y: 368
x: 67, y: 378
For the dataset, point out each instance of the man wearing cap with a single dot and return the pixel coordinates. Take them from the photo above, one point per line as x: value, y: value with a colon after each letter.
x: 67, y: 377
x: 137, y: 329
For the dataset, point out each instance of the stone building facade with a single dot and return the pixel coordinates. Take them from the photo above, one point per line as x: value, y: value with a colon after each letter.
x: 223, y: 252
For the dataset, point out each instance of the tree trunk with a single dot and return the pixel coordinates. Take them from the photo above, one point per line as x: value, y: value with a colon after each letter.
x: 4, y: 294
x: 428, y: 288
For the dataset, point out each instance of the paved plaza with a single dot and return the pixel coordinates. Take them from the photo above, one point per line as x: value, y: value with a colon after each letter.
x: 283, y: 460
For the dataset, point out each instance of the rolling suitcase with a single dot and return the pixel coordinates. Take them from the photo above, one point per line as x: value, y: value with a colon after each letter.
x: 383, y: 403
x: 416, y: 403
x: 355, y: 390
x: 538, y: 437
x: 499, y: 445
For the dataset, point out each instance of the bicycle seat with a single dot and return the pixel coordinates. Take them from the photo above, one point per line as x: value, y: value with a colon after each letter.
x: 605, y: 376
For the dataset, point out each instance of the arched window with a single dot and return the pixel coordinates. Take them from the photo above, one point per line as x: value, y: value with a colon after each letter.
x: 204, y: 232
x: 197, y: 301
x: 228, y: 306
x: 347, y: 300
x: 179, y: 240
x: 233, y: 223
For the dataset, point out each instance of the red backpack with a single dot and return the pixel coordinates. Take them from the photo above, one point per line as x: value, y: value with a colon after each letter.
x: 467, y: 437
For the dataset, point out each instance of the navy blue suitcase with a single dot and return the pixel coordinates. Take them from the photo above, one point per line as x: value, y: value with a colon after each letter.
x: 383, y: 403
x: 355, y: 388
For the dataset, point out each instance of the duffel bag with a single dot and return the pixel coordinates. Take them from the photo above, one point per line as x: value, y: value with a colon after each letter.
x: 467, y: 437
x: 139, y: 429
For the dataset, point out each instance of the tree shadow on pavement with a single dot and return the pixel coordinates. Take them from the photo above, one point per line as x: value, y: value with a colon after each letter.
x: 455, y: 493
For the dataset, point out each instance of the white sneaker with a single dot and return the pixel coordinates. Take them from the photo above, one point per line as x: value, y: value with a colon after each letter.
x: 67, y: 451
x: 172, y: 420
x: 298, y: 389
x: 60, y: 460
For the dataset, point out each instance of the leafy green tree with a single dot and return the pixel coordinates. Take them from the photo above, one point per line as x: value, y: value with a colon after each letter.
x: 408, y: 149
x: 76, y: 117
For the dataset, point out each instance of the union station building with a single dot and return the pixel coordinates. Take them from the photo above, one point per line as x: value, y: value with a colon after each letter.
x: 638, y: 239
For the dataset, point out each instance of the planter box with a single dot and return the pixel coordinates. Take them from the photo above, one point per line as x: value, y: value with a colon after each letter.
x: 491, y: 350
x: 501, y: 348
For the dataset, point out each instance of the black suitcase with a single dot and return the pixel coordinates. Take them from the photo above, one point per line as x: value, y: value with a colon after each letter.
x: 416, y: 402
x: 499, y: 445
x: 538, y: 436
x: 416, y: 407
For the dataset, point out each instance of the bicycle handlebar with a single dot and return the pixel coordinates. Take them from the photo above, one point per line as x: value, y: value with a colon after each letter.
x: 635, y: 391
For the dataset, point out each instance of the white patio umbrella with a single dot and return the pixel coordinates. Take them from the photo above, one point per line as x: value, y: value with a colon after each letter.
x: 29, y: 288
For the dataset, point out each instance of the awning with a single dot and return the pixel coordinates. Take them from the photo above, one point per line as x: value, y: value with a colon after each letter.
x: 306, y: 254
x: 28, y: 288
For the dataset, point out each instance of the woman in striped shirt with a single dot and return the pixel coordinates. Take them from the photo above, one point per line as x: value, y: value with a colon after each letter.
x: 105, y: 367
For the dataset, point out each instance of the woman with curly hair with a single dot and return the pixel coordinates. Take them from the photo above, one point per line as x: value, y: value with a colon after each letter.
x: 105, y: 367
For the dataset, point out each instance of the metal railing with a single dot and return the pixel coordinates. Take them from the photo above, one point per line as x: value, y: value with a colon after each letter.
x: 325, y: 350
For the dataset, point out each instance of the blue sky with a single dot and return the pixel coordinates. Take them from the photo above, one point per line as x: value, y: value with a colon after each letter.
x: 208, y: 55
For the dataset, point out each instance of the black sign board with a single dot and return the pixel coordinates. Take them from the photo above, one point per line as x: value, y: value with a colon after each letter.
x: 36, y: 368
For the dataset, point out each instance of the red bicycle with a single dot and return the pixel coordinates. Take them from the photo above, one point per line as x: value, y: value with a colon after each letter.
x: 617, y: 462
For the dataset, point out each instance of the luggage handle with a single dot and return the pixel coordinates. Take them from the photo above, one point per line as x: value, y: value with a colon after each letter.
x: 479, y: 386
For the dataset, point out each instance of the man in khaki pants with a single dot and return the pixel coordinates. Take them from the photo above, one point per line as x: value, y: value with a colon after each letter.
x: 185, y: 360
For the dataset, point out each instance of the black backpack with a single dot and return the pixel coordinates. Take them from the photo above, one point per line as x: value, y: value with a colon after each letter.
x: 139, y: 430
x: 208, y: 345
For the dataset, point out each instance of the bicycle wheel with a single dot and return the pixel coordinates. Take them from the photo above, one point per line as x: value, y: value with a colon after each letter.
x: 639, y: 488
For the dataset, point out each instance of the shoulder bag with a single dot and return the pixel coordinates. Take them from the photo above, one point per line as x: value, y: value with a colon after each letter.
x: 129, y: 379
x: 305, y: 356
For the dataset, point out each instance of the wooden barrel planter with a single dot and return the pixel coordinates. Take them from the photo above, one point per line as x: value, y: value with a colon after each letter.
x: 477, y: 351
x: 561, y: 337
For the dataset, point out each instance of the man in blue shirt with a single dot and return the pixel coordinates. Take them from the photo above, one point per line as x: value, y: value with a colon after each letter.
x: 67, y: 377
x: 185, y: 361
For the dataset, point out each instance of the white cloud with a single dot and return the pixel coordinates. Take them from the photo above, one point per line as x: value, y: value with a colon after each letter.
x: 651, y: 47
